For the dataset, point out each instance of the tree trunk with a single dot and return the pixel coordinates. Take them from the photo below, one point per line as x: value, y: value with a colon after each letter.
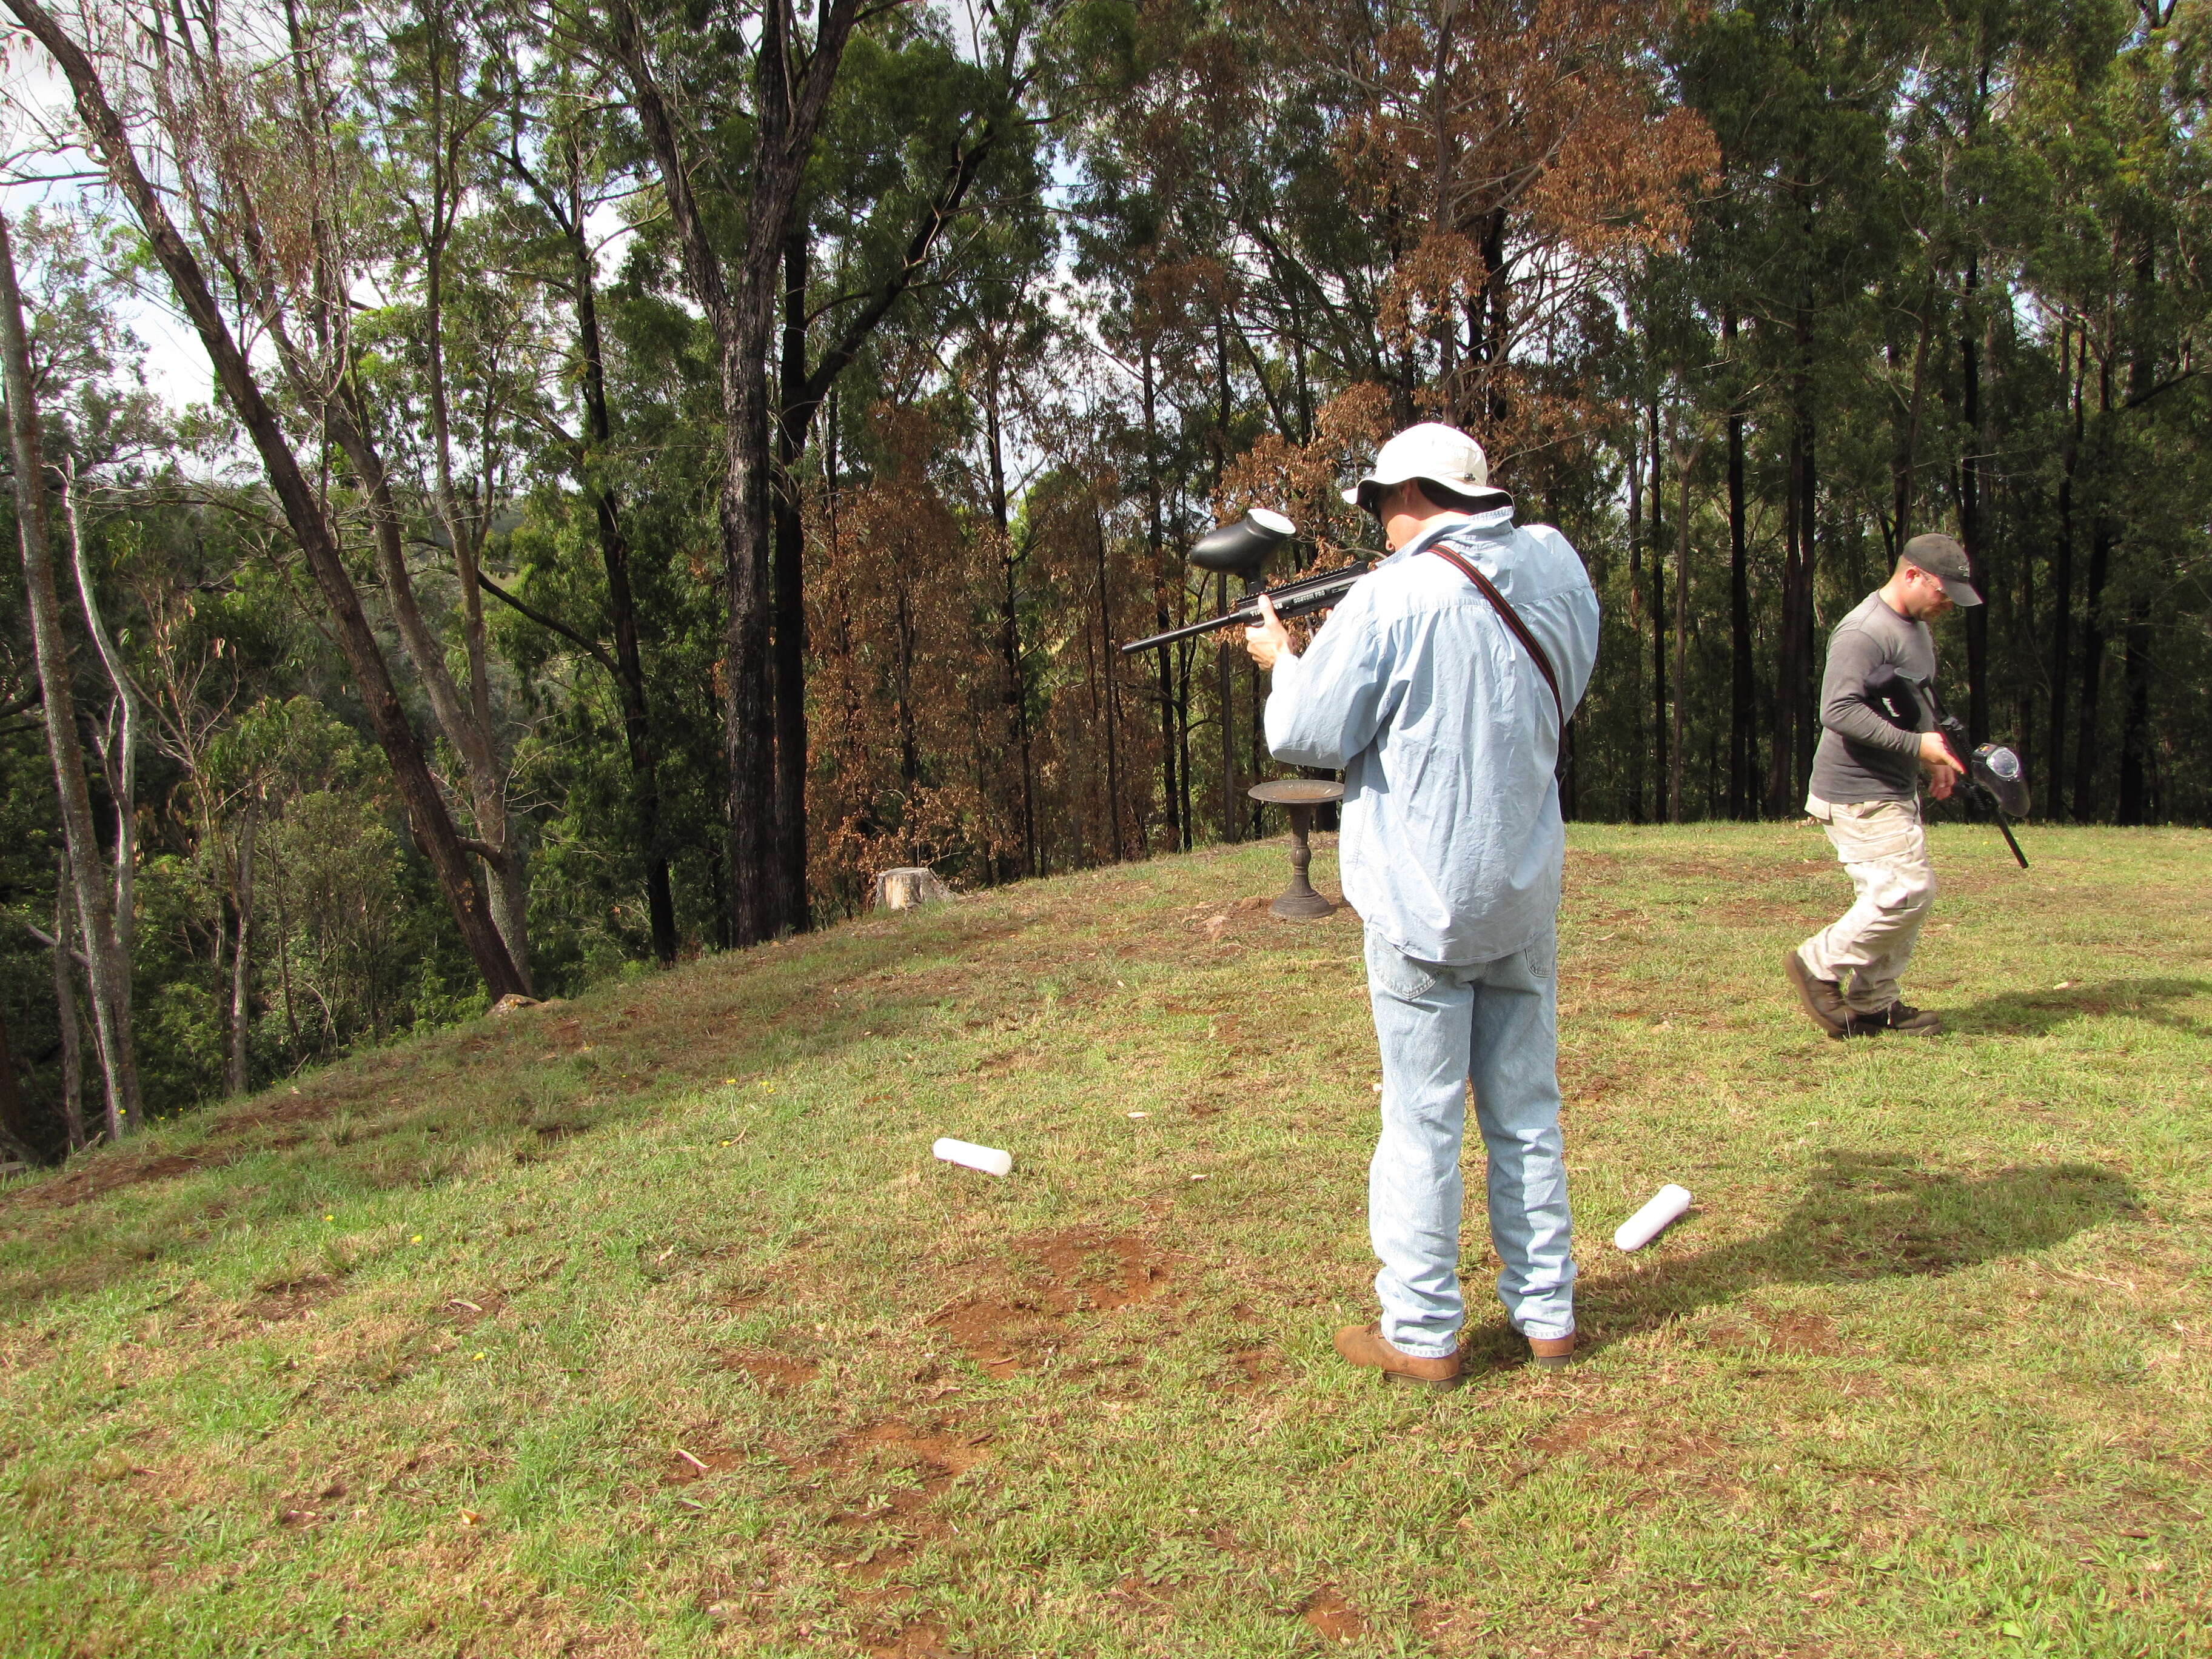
x: 1743, y: 734
x: 789, y: 99
x: 1970, y: 514
x: 1225, y: 655
x: 1663, y: 760
x: 118, y: 740
x: 107, y: 960
x: 303, y: 513
x: 72, y: 1053
x: 1810, y: 662
x: 238, y: 1078
x: 1635, y: 627
x: 2092, y: 672
x: 2062, y: 563
x: 2135, y: 807
x: 622, y: 603
x: 470, y: 727
x: 1685, y: 460
x: 1156, y: 539
x: 796, y: 417
x: 1016, y: 693
x: 1106, y: 658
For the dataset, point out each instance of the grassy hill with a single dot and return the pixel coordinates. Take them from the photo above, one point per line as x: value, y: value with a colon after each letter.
x: 645, y: 1324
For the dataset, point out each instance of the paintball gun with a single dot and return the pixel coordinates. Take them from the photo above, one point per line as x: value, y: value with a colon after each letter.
x: 1242, y: 549
x: 1991, y: 772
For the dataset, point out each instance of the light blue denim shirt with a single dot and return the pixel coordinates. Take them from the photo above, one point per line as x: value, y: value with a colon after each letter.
x: 1452, y: 842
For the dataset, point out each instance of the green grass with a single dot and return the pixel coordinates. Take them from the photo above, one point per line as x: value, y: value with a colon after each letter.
x: 645, y: 1324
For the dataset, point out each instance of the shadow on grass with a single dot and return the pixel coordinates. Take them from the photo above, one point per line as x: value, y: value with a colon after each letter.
x: 2035, y: 1013
x: 1865, y: 1216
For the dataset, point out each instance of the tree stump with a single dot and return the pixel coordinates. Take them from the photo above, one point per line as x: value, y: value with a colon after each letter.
x: 909, y: 889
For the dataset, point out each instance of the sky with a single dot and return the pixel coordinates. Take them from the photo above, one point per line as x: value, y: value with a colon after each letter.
x: 33, y: 98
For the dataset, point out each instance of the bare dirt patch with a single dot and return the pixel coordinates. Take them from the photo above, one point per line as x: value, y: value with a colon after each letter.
x: 1332, y: 1617
x: 1081, y: 1270
x: 1626, y: 1440
x: 290, y: 1298
x: 772, y: 1371
x: 924, y: 1640
x: 914, y: 1467
x: 463, y: 1312
x: 684, y: 1464
x: 1257, y: 1370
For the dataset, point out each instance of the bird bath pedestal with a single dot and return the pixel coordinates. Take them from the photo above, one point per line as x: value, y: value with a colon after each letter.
x: 1298, y: 797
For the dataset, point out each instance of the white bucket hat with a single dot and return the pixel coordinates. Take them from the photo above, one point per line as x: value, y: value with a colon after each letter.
x: 1435, y: 453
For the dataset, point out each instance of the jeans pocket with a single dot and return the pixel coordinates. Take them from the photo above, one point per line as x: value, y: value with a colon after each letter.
x: 1395, y: 974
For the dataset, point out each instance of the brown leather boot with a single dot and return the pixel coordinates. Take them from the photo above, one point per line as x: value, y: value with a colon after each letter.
x: 1553, y: 1354
x: 1363, y: 1345
x: 1823, y: 998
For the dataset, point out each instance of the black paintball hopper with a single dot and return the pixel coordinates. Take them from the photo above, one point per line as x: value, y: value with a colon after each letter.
x: 1242, y: 548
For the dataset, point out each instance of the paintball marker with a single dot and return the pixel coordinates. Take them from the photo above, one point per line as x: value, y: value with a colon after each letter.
x: 1242, y: 549
x: 1991, y: 773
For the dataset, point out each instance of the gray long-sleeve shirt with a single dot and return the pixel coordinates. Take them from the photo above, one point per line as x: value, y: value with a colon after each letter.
x: 1862, y: 755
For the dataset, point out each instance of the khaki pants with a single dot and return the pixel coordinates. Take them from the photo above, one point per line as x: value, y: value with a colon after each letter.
x: 1882, y: 845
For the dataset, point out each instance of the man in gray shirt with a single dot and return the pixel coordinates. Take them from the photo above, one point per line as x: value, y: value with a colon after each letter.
x: 1865, y: 791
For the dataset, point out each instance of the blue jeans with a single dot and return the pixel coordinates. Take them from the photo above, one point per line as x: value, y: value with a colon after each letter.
x: 1495, y: 1024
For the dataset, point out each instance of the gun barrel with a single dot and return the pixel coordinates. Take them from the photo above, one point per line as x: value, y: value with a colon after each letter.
x: 1298, y: 598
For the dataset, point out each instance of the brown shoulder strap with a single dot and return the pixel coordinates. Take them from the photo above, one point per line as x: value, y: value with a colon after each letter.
x: 1511, y: 618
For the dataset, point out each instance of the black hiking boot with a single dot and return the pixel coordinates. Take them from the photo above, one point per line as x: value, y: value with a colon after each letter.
x: 1898, y: 1017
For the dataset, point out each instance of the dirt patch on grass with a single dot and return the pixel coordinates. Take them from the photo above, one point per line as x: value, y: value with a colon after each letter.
x: 684, y: 1464
x: 924, y: 1640
x: 1078, y: 1271
x: 1332, y: 1617
x: 1628, y: 1440
x: 464, y: 1312
x: 289, y: 1298
x: 1257, y: 1370
x: 109, y: 1175
x: 772, y: 1371
x: 903, y: 1471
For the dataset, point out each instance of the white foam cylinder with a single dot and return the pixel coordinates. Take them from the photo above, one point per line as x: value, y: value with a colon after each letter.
x: 1646, y: 1224
x: 990, y: 1159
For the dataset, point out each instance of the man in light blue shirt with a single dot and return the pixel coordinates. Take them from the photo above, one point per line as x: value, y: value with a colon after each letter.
x: 1444, y: 703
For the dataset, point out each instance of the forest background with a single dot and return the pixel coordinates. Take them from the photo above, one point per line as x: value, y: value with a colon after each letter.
x: 663, y: 463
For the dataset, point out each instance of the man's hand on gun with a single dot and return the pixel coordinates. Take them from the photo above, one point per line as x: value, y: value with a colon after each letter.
x: 1268, y: 639
x: 1944, y: 768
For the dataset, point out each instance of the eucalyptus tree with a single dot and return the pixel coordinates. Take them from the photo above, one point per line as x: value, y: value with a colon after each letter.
x: 260, y: 167
x: 106, y: 934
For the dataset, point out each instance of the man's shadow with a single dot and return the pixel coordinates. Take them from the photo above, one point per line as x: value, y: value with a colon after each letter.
x: 2035, y: 1012
x: 1864, y: 1216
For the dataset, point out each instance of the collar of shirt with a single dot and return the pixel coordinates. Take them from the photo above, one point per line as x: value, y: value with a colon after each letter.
x: 1498, y: 519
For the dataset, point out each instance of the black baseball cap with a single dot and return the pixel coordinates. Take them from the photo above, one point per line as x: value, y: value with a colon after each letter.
x: 1944, y: 559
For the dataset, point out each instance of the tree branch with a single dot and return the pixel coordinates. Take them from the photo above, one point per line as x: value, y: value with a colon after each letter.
x: 523, y: 607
